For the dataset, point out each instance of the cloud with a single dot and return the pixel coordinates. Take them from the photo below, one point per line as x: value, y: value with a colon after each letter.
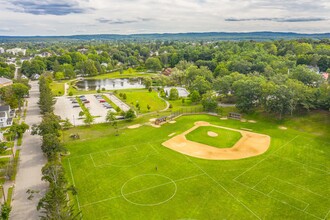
x: 6, y: 30
x: 278, y: 19
x: 47, y: 7
x: 122, y: 21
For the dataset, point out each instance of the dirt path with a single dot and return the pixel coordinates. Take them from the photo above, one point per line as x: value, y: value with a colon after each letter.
x: 30, y: 164
x: 251, y: 144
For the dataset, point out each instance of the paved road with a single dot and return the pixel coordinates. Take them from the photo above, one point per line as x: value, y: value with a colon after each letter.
x: 30, y: 164
x: 122, y: 105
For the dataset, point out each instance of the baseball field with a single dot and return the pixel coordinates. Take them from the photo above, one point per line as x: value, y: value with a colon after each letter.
x: 284, y: 174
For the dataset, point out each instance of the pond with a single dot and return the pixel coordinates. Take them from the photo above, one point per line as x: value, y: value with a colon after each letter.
x: 110, y: 84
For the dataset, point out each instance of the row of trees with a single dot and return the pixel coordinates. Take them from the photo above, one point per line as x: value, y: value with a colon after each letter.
x: 6, y: 70
x: 220, y: 58
x: 55, y: 204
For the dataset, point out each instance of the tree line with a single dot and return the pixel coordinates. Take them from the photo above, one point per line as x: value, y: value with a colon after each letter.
x: 56, y: 203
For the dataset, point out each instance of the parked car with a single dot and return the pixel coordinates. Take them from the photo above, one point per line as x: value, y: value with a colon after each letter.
x: 86, y: 101
x: 76, y: 106
x: 101, y: 100
x: 74, y: 101
x: 82, y: 96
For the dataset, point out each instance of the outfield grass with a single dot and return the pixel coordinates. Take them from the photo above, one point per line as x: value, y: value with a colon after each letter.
x: 132, y: 176
x: 144, y: 98
x: 57, y: 88
x: 225, y: 138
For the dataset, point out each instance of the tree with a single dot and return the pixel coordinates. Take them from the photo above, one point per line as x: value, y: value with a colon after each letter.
x: 19, y: 129
x: 51, y: 145
x: 88, y: 119
x: 67, y: 124
x: 5, y: 211
x: 248, y: 93
x: 111, y: 118
x: 174, y: 94
x: 201, y: 85
x: 148, y: 107
x: 130, y: 115
x: 49, y: 125
x: 195, y: 96
x: 153, y: 64
x: 20, y: 91
x: 147, y: 82
x: 209, y: 101
x: 55, y: 203
x: 306, y: 76
x: 59, y: 75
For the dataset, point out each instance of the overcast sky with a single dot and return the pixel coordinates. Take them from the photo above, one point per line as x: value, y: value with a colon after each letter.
x: 68, y: 17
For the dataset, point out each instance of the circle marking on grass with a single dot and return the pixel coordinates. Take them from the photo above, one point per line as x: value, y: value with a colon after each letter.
x: 171, y: 181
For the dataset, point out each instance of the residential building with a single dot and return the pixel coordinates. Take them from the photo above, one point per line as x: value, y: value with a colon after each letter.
x: 2, y: 50
x: 5, y: 82
x: 16, y: 51
x: 6, y: 116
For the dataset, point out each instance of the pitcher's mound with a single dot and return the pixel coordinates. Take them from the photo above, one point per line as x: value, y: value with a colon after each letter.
x: 212, y: 134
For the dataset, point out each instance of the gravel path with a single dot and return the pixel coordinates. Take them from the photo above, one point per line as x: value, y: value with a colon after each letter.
x: 30, y: 164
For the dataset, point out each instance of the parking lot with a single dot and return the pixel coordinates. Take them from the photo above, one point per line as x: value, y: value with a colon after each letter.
x: 64, y: 108
x: 94, y: 103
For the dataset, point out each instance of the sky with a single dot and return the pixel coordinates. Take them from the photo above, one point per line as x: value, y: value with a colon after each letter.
x: 76, y: 17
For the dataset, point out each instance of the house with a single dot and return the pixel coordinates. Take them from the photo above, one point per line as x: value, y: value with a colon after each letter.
x: 5, y: 82
x: 314, y: 68
x: 325, y: 75
x: 167, y: 71
x: 2, y: 50
x: 16, y: 51
x: 6, y: 116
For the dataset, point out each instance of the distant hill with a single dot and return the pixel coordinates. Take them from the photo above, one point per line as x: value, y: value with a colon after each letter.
x: 209, y: 36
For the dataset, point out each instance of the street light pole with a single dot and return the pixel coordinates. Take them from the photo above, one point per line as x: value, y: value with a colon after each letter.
x: 74, y: 122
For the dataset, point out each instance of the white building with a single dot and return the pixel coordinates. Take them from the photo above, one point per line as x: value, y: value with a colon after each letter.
x: 16, y: 51
x: 6, y: 116
x: 2, y: 50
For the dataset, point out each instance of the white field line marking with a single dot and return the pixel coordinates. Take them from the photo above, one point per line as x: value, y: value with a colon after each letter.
x: 301, y: 187
x: 141, y: 190
x: 305, y: 165
x: 256, y: 164
x: 260, y: 182
x: 133, y: 145
x: 74, y: 184
x: 153, y: 148
x: 278, y: 200
x: 307, y: 204
x: 327, y: 215
x: 92, y: 159
x: 223, y: 188
x: 145, y: 157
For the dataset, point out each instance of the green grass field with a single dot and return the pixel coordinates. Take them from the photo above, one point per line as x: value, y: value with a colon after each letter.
x: 225, y: 138
x: 57, y: 88
x: 132, y: 176
x: 144, y: 98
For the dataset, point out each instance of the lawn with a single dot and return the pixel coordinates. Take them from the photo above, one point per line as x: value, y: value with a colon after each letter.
x: 132, y: 176
x: 144, y: 98
x: 57, y: 88
x: 225, y: 138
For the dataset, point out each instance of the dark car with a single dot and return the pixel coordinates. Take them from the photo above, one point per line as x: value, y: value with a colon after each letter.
x: 86, y: 101
x: 75, y: 106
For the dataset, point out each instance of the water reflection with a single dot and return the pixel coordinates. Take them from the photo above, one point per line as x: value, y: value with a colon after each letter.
x: 110, y: 84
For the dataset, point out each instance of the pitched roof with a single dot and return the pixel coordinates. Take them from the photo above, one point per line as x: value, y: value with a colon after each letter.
x: 5, y: 80
x: 4, y: 108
